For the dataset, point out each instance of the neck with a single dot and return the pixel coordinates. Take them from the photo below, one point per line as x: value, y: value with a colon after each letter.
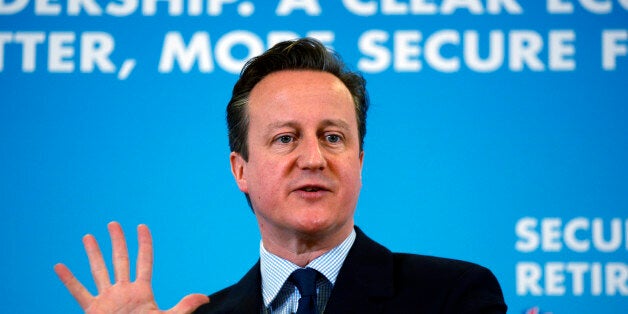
x: 302, y: 248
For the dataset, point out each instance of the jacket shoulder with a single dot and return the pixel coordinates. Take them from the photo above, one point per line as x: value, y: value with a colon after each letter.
x: 216, y: 300
x: 242, y: 297
x: 462, y: 287
x: 432, y: 266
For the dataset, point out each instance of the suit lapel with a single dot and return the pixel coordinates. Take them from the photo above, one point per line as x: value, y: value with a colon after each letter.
x: 365, y: 279
x: 246, y: 295
x: 364, y: 282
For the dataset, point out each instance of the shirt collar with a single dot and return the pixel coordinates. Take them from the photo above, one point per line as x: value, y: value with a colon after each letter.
x: 276, y: 270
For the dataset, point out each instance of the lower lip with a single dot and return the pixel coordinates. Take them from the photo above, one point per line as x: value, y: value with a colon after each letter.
x: 311, y: 195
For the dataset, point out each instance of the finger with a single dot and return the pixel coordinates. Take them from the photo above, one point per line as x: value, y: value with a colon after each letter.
x: 78, y: 291
x: 189, y: 304
x: 145, y: 254
x: 96, y: 263
x: 120, y: 252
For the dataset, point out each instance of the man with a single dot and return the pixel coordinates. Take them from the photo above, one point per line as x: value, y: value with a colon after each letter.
x: 297, y: 121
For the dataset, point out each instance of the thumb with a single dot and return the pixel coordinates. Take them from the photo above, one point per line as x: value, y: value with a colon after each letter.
x: 189, y: 303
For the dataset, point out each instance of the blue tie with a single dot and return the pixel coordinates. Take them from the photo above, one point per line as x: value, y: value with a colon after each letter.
x: 305, y: 280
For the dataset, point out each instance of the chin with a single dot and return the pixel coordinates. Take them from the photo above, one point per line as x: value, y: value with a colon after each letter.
x: 313, y: 226
x: 318, y: 225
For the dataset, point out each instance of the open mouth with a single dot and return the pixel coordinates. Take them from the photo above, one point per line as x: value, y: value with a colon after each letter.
x: 311, y: 189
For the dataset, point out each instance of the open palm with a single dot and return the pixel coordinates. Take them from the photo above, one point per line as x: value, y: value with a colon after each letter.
x: 124, y: 295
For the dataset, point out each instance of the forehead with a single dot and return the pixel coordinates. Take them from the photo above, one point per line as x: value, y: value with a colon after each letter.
x: 300, y: 89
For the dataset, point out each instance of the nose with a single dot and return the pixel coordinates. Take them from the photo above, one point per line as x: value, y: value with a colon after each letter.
x: 311, y: 155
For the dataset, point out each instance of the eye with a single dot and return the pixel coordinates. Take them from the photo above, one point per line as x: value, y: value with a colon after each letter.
x: 285, y: 139
x: 333, y: 138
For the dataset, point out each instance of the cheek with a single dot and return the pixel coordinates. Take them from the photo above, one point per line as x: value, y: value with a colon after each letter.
x: 263, y: 178
x: 353, y: 169
x: 351, y: 179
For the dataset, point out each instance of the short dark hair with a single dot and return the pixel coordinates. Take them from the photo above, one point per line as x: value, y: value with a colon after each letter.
x: 301, y: 54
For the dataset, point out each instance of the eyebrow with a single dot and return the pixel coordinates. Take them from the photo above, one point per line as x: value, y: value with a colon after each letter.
x: 293, y: 124
x: 281, y: 124
x: 336, y: 122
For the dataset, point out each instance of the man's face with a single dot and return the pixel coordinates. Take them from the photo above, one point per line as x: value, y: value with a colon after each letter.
x: 304, y: 169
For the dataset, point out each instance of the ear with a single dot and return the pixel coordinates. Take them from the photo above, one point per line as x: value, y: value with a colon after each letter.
x: 237, y: 169
x: 361, y: 161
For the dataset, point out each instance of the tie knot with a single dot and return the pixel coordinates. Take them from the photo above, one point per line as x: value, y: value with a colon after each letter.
x: 305, y: 280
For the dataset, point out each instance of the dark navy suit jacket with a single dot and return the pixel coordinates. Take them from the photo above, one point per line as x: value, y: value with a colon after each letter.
x: 375, y: 280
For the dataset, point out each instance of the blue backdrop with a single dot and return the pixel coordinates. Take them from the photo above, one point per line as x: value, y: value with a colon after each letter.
x: 497, y: 134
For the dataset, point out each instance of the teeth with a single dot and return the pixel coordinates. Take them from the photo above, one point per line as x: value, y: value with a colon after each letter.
x: 310, y: 189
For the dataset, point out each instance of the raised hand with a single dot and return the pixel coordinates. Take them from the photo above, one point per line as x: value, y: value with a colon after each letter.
x: 123, y: 296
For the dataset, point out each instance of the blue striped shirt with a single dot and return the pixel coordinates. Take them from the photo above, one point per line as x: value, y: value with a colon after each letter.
x: 281, y: 296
